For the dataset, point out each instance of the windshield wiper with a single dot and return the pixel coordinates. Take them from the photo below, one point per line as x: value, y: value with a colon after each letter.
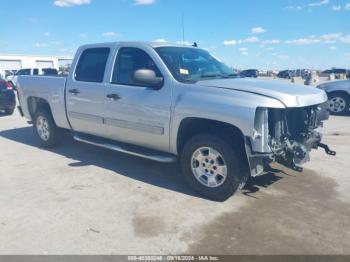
x: 231, y: 75
x: 219, y: 75
x: 211, y: 75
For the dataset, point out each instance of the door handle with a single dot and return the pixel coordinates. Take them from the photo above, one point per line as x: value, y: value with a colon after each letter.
x: 74, y: 91
x: 113, y: 96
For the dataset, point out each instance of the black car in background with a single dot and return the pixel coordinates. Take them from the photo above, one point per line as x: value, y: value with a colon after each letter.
x: 250, y: 73
x: 7, y: 97
x: 336, y: 71
x: 287, y: 74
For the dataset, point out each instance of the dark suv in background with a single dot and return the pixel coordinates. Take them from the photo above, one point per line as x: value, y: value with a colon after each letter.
x: 250, y: 73
x: 7, y: 97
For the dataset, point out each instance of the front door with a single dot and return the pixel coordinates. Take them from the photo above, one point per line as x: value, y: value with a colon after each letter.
x: 137, y: 114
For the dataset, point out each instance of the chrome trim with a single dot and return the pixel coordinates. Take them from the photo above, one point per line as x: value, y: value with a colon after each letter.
x: 157, y: 158
x: 86, y: 117
x: 135, y: 126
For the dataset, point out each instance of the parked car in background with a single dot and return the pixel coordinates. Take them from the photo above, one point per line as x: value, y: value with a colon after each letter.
x: 335, y: 71
x: 339, y: 73
x: 163, y: 102
x: 250, y: 73
x: 338, y: 95
x: 7, y: 97
x: 31, y: 71
x: 287, y: 74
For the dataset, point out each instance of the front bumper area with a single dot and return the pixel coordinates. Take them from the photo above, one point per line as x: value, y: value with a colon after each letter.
x: 286, y: 136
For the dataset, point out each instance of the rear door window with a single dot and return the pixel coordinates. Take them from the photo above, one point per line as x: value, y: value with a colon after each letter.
x: 92, y: 65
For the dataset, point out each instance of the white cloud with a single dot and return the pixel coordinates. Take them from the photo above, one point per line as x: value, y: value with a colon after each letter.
x: 347, y: 7
x: 244, y: 53
x: 184, y: 43
x: 345, y: 39
x: 292, y: 7
x: 46, y: 34
x: 109, y: 34
x: 63, y: 50
x: 160, y: 40
x: 71, y: 3
x: 336, y: 8
x: 144, y: 2
x: 271, y: 42
x: 324, y: 39
x: 258, y: 30
x: 249, y: 40
x: 39, y: 45
x: 241, y: 41
x: 333, y: 48
x: 303, y: 41
x: 320, y: 3
x: 331, y: 38
x: 230, y: 42
x: 243, y: 49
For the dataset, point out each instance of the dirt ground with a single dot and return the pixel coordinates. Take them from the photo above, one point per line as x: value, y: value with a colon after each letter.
x: 79, y: 199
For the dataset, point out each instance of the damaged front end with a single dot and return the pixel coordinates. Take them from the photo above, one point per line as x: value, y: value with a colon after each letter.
x: 287, y: 136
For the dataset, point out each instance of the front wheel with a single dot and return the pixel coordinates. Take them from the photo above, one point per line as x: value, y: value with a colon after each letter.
x: 211, y: 167
x: 46, y: 130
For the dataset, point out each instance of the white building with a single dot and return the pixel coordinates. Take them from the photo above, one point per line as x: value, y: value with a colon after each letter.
x: 12, y: 63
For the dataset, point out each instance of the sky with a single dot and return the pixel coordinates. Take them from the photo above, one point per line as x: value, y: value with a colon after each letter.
x: 263, y: 34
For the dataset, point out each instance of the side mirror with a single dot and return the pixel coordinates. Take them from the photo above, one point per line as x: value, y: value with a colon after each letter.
x: 146, y: 77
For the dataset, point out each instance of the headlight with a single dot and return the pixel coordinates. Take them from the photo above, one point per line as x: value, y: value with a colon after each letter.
x: 260, y: 139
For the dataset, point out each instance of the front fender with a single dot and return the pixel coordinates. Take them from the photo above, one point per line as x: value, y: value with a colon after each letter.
x: 228, y: 106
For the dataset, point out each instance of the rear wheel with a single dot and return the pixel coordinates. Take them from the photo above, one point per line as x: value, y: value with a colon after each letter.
x: 211, y: 167
x: 339, y: 104
x: 46, y: 130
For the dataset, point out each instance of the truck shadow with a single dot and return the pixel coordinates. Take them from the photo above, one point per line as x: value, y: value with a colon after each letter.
x: 157, y: 174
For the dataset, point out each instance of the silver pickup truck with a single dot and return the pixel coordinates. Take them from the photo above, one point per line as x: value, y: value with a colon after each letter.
x: 166, y: 102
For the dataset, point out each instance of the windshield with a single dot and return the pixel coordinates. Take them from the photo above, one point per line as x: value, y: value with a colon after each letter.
x: 192, y: 65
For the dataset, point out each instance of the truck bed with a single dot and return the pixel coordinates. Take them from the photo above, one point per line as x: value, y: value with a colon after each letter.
x: 49, y: 88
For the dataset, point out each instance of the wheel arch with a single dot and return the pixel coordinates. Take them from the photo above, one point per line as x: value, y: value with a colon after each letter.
x: 36, y: 103
x: 343, y: 92
x: 189, y: 127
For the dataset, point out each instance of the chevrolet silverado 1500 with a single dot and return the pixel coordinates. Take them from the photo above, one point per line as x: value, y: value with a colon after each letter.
x: 166, y: 102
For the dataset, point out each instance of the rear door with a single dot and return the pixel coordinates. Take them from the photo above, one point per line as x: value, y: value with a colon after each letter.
x: 85, y: 91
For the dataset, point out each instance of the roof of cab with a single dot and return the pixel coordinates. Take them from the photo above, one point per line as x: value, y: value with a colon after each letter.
x: 140, y: 43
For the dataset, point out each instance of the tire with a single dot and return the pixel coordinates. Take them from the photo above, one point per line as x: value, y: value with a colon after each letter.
x: 46, y: 130
x: 9, y: 111
x: 339, y: 104
x: 225, y: 187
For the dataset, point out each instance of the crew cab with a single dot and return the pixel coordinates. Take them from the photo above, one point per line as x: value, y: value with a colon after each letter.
x: 166, y: 102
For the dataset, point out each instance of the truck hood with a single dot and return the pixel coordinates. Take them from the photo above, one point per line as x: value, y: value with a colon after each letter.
x: 291, y: 95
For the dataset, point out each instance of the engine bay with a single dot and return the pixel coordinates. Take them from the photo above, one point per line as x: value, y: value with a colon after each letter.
x: 294, y: 132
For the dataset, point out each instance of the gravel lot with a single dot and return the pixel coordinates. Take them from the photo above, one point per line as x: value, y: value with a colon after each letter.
x: 79, y: 199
